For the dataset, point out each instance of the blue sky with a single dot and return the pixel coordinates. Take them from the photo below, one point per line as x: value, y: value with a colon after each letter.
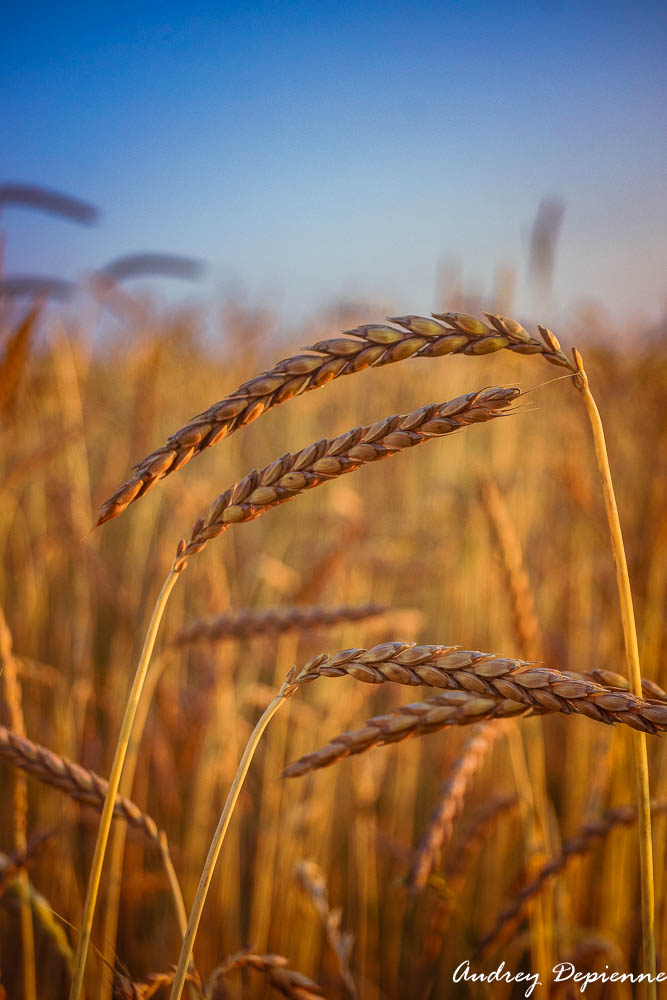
x: 314, y: 150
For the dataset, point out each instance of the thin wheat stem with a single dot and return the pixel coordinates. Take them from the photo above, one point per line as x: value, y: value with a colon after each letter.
x: 114, y: 783
x: 639, y: 748
x: 216, y: 844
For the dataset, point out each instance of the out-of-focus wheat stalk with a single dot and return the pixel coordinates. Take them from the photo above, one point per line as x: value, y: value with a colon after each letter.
x: 272, y: 621
x: 374, y: 345
x: 531, y: 756
x: 40, y: 906
x: 12, y: 690
x: 313, y: 882
x: 450, y: 885
x: 441, y: 823
x: 575, y: 846
x: 15, y: 356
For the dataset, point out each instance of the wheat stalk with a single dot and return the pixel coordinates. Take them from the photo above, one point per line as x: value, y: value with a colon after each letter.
x: 526, y: 625
x: 13, y: 698
x: 271, y: 621
x: 252, y: 496
x: 372, y: 345
x: 639, y: 748
x: 296, y: 472
x: 577, y: 845
x: 291, y: 984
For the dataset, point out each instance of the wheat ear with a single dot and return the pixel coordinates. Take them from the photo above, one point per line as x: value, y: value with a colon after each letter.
x: 272, y: 621
x: 440, y: 826
x: 475, y: 673
x: 369, y: 346
x: 486, y: 687
x: 75, y: 781
x: 574, y: 846
x: 296, y: 472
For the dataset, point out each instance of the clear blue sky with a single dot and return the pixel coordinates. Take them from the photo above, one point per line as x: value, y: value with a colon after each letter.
x: 325, y: 149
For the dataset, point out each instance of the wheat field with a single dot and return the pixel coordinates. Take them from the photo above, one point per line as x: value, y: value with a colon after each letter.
x: 510, y: 836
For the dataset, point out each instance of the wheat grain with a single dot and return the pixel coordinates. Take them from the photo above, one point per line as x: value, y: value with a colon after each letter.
x: 296, y: 472
x: 369, y: 346
x: 271, y: 621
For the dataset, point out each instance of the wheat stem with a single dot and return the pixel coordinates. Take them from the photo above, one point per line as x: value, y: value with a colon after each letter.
x: 114, y: 783
x: 639, y: 748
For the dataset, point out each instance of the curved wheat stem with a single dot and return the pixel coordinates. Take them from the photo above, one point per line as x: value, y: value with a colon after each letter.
x: 639, y: 748
x: 369, y: 346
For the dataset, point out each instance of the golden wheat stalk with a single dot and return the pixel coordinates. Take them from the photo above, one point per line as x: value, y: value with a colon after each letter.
x: 449, y: 886
x: 639, y: 748
x: 576, y: 846
x: 255, y: 495
x: 13, y: 698
x: 41, y: 908
x: 272, y: 621
x: 369, y: 346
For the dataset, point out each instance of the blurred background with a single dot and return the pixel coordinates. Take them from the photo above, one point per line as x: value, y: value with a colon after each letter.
x: 310, y: 152
x: 186, y: 197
